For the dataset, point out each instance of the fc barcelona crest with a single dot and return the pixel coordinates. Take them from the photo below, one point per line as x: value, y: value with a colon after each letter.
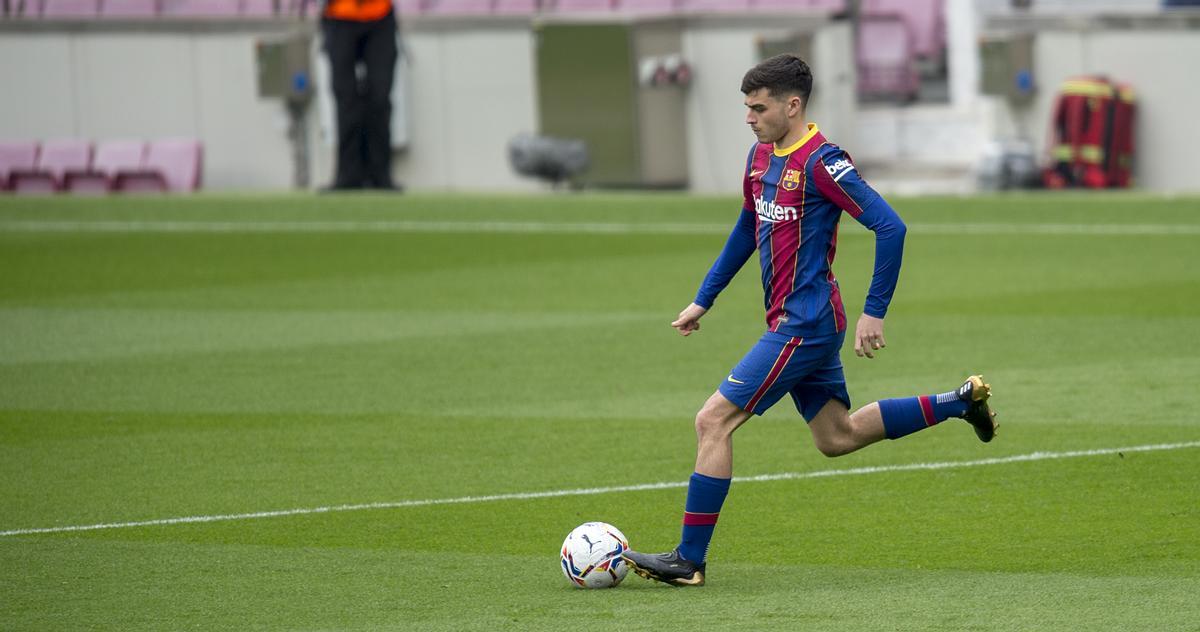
x: 791, y: 180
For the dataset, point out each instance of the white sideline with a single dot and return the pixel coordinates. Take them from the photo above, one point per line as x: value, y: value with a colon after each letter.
x: 877, y: 469
x: 532, y: 227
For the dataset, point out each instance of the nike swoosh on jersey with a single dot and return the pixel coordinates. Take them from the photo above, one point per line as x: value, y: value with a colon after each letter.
x: 756, y: 172
x: 734, y: 379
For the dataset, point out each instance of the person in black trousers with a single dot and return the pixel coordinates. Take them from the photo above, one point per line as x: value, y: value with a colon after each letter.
x: 362, y: 32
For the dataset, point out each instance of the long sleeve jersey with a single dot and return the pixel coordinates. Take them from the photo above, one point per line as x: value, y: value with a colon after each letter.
x: 794, y: 198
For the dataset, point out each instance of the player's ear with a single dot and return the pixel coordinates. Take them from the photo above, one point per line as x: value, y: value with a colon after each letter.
x: 795, y: 106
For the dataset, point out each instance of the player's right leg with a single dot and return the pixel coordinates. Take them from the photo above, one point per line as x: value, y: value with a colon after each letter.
x: 764, y: 375
x: 707, y: 488
x: 975, y: 392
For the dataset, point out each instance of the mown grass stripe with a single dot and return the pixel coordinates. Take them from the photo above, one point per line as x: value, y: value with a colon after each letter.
x: 877, y: 469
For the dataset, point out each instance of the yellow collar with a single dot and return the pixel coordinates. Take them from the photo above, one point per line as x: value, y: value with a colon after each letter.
x: 812, y: 131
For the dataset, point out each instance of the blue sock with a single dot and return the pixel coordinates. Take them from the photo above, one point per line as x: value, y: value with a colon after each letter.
x: 907, y: 415
x: 704, y: 499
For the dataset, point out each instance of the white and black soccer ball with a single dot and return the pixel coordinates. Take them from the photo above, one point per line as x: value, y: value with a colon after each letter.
x: 591, y: 555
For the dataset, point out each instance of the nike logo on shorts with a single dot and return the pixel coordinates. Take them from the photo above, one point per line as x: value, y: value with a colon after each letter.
x: 734, y: 379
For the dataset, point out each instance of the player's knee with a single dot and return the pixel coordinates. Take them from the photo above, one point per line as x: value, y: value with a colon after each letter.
x: 707, y: 424
x: 710, y: 423
x: 840, y: 441
x: 834, y: 447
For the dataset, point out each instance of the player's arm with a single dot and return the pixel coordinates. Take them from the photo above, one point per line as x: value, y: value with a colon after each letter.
x: 889, y: 232
x: 737, y: 250
x: 839, y: 181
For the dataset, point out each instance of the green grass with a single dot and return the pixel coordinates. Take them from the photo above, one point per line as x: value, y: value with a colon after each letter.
x: 158, y: 374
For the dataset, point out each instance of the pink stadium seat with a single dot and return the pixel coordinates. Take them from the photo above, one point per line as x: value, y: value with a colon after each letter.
x: 16, y: 155
x: 111, y: 157
x: 459, y: 7
x: 583, y: 6
x: 171, y: 165
x: 202, y: 8
x: 925, y: 18
x: 715, y: 6
x: 56, y: 158
x: 260, y: 8
x: 886, y: 62
x: 129, y: 9
x: 66, y: 9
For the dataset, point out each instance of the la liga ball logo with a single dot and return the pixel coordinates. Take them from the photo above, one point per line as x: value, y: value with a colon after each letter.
x: 591, y: 555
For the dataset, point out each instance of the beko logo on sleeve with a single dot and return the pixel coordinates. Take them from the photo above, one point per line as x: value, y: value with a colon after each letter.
x: 840, y: 168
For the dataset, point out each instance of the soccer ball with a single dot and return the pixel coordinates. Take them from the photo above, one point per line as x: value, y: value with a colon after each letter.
x: 591, y: 555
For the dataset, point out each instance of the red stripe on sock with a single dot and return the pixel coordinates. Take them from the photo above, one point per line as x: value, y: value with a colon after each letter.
x: 699, y: 519
x: 927, y: 410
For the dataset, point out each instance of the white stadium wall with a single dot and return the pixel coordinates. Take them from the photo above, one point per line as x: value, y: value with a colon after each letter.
x: 472, y: 89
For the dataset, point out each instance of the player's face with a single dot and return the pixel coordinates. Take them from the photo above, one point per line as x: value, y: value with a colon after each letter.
x: 770, y: 117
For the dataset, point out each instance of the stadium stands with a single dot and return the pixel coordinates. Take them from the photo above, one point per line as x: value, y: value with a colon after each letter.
x: 886, y: 62
x: 54, y: 160
x: 925, y: 20
x: 110, y: 157
x: 167, y: 165
x: 170, y: 165
x: 15, y: 156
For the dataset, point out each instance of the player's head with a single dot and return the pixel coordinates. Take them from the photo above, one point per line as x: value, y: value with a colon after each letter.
x: 777, y: 93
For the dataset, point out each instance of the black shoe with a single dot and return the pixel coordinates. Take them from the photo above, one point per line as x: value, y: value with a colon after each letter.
x: 976, y: 393
x: 669, y: 568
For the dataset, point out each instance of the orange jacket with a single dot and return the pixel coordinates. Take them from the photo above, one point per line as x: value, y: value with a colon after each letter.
x: 357, y: 10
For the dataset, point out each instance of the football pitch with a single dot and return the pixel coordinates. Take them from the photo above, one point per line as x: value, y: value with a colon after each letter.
x: 363, y: 413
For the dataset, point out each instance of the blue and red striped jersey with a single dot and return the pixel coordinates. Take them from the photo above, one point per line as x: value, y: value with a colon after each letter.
x: 794, y: 198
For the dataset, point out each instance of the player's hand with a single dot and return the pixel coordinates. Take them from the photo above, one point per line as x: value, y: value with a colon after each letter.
x: 689, y: 319
x: 868, y: 336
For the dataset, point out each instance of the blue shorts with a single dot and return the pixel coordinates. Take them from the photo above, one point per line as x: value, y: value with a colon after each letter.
x: 808, y: 368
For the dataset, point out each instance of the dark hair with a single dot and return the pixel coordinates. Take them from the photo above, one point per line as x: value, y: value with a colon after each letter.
x: 780, y: 74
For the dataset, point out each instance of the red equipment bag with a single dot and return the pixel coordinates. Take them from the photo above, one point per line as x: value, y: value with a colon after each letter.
x: 1091, y: 135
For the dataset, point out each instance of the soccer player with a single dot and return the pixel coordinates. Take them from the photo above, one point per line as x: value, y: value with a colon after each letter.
x: 796, y: 186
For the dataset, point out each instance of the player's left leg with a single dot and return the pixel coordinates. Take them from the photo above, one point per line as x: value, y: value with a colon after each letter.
x: 836, y: 431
